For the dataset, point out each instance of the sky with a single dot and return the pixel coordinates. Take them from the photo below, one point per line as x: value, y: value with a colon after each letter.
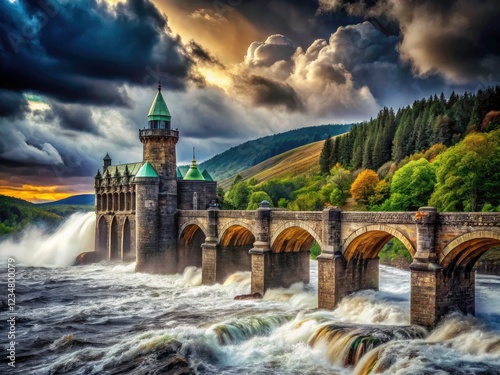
x: 79, y: 76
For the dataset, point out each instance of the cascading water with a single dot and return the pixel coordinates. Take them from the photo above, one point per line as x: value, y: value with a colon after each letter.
x: 107, y: 319
x: 37, y: 248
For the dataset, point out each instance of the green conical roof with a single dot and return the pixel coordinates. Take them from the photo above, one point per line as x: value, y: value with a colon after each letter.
x: 206, y: 175
x: 147, y: 171
x: 179, y: 174
x: 193, y: 174
x: 159, y: 109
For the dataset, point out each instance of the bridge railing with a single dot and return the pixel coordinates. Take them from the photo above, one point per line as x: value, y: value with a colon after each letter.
x: 237, y: 214
x: 470, y: 218
x: 297, y: 215
x: 379, y: 217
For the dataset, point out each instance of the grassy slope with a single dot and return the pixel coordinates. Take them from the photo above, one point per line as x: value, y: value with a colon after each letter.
x: 302, y: 160
x: 248, y: 154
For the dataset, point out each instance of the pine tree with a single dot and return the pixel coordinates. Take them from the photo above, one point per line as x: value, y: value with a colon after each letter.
x: 326, y: 156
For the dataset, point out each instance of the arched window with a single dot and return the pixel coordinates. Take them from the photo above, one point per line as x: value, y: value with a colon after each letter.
x: 195, y: 201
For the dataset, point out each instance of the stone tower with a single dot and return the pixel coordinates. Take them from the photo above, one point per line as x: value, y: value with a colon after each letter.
x: 159, y: 141
x: 147, y: 218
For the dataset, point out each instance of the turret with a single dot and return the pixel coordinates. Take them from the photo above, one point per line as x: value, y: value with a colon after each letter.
x: 146, y: 218
x: 193, y: 174
x: 106, y: 162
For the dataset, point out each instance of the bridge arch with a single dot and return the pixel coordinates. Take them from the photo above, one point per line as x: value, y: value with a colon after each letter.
x: 102, y: 235
x: 115, y: 248
x: 294, y: 237
x: 188, y: 231
x: 236, y: 233
x: 189, y: 250
x: 126, y: 240
x: 465, y: 250
x: 369, y: 240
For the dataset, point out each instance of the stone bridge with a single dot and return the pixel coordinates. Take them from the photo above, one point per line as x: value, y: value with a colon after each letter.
x: 274, y: 245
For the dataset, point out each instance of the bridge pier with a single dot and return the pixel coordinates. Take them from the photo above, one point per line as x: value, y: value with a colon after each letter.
x: 261, y: 251
x: 209, y: 249
x: 338, y: 278
x: 433, y: 293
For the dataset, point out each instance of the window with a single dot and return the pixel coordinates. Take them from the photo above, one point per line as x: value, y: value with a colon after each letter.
x: 195, y: 201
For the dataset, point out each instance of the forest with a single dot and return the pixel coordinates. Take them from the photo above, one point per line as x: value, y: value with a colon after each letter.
x: 439, y: 151
x: 16, y: 214
x: 442, y: 152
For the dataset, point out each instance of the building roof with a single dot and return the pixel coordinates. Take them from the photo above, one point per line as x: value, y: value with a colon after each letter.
x: 159, y: 109
x: 147, y: 171
x: 133, y: 168
x: 206, y: 175
x: 107, y: 157
x: 179, y: 174
x: 193, y: 174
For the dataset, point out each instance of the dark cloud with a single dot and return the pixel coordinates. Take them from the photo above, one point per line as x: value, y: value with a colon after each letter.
x: 201, y: 55
x: 457, y: 39
x: 84, y: 51
x: 12, y: 104
x: 74, y: 117
x: 267, y: 92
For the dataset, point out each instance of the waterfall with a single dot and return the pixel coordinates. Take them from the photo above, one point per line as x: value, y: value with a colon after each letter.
x: 38, y: 248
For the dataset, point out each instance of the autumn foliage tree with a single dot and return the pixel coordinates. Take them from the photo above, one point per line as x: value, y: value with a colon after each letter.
x: 364, y: 186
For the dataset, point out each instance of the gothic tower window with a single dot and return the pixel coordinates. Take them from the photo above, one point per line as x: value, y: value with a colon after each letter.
x: 195, y: 201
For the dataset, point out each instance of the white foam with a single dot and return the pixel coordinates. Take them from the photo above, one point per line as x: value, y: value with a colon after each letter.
x: 37, y: 248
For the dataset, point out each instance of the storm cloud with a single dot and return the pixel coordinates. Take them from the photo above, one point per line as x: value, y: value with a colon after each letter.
x: 457, y: 39
x: 79, y: 76
x: 86, y: 51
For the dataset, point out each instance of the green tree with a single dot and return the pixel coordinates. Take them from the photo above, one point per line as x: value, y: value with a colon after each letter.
x: 278, y: 189
x: 325, y: 192
x: 412, y: 186
x: 237, y: 197
x: 380, y: 194
x: 282, y: 203
x: 307, y: 202
x: 256, y: 199
x: 220, y: 197
x: 467, y: 174
x: 337, y: 198
x: 326, y: 156
x: 342, y: 179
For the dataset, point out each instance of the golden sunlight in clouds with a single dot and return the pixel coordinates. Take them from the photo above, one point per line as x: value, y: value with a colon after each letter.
x: 225, y: 34
x: 34, y: 105
x: 216, y: 77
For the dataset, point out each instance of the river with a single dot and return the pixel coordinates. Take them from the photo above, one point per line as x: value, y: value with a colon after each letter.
x: 107, y: 319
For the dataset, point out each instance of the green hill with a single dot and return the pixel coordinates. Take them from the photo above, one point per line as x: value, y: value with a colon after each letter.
x: 251, y: 153
x: 301, y: 161
x: 15, y: 214
x: 81, y: 199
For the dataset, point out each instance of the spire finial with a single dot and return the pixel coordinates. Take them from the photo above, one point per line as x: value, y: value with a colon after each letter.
x: 159, y: 85
x: 193, y: 153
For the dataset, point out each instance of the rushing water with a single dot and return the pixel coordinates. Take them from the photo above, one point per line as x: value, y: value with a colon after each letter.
x: 106, y: 319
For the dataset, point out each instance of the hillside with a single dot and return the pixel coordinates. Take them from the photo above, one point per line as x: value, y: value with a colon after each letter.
x: 82, y: 199
x: 249, y: 154
x: 15, y: 214
x: 299, y: 161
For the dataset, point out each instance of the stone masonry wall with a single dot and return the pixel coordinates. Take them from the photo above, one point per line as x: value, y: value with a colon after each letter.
x: 206, y: 192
